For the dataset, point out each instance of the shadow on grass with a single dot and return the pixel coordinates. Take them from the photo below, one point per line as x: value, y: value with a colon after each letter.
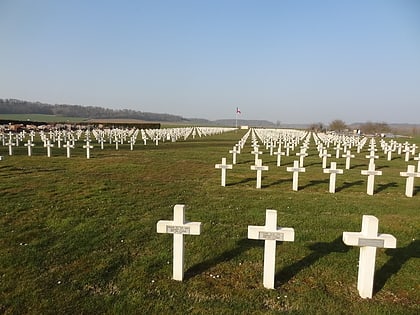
x: 312, y: 164
x: 357, y: 166
x: 246, y: 162
x: 314, y: 183
x: 241, y: 246
x: 416, y: 190
x: 320, y: 250
x: 382, y: 166
x: 349, y: 184
x: 278, y: 182
x: 243, y: 181
x: 382, y: 187
x: 399, y: 257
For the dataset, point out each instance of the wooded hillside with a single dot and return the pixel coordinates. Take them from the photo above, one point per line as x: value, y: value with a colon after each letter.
x: 13, y: 106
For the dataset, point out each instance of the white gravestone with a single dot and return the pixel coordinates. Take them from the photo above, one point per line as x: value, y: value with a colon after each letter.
x: 270, y: 233
x: 234, y: 151
x: 178, y: 227
x: 49, y: 145
x: 368, y: 240
x: 372, y: 157
x: 333, y: 171
x: 279, y: 154
x: 223, y: 167
x: 68, y: 146
x: 371, y: 177
x: 259, y: 168
x: 348, y: 156
x: 409, y: 184
x: 296, y: 170
x: 324, y: 157
x: 29, y: 145
x: 417, y: 158
x: 87, y: 146
x: 256, y: 153
x: 302, y: 154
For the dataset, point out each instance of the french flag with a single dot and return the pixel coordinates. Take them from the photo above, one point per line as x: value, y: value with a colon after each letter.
x: 238, y: 111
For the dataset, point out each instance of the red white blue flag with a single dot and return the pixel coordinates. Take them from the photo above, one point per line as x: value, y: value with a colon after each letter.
x: 238, y: 111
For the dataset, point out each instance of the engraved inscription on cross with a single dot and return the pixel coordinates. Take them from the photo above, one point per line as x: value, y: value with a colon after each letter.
x: 270, y: 233
x: 368, y: 240
x: 178, y: 227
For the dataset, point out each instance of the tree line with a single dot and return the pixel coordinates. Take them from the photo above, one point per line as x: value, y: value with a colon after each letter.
x: 13, y: 106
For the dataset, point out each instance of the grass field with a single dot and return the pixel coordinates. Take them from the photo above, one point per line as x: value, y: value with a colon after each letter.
x: 78, y: 236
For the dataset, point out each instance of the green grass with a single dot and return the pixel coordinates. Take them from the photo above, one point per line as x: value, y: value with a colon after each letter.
x: 78, y: 236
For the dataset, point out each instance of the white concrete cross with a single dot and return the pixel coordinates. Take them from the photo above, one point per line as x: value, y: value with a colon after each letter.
x: 223, y: 167
x: 333, y: 171
x: 409, y: 183
x: 178, y: 227
x: 279, y: 154
x: 132, y: 142
x: 407, y: 152
x: 68, y: 146
x: 296, y: 170
x: 87, y: 146
x: 270, y: 233
x: 337, y: 151
x: 302, y: 154
x: 368, y: 240
x: 49, y: 145
x: 259, y: 168
x: 11, y: 144
x: 256, y: 153
x: 372, y: 157
x: 417, y: 158
x: 371, y: 177
x: 29, y: 145
x: 348, y: 156
x: 324, y: 157
x: 234, y: 151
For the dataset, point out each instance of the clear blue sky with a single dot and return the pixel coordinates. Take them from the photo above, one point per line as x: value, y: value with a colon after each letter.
x: 288, y: 61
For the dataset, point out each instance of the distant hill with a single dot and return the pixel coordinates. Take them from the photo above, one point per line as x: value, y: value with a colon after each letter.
x: 13, y: 106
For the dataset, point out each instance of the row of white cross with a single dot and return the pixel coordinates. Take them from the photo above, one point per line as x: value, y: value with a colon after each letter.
x: 68, y: 139
x: 298, y: 165
x: 368, y: 240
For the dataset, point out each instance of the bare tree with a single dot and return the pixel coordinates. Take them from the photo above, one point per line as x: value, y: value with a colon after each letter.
x: 338, y: 125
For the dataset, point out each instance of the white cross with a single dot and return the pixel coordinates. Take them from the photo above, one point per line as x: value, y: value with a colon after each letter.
x: 409, y: 183
x: 87, y: 146
x: 348, y: 156
x: 270, y: 233
x: 296, y: 170
x: 333, y: 171
x: 68, y: 146
x: 371, y: 177
x: 224, y: 167
x: 49, y: 145
x: 279, y: 154
x: 178, y: 227
x: 132, y: 143
x: 417, y: 158
x: 337, y: 151
x: 368, y: 240
x: 256, y: 153
x: 259, y: 168
x: 29, y: 145
x: 372, y: 157
x: 301, y: 156
x: 10, y: 144
x: 324, y: 156
x: 234, y: 151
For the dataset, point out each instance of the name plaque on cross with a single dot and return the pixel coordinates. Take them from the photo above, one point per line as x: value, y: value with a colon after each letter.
x: 174, y: 229
x: 371, y: 242
x: 271, y: 236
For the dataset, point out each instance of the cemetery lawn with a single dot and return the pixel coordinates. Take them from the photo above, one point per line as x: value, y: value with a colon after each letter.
x: 78, y: 236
